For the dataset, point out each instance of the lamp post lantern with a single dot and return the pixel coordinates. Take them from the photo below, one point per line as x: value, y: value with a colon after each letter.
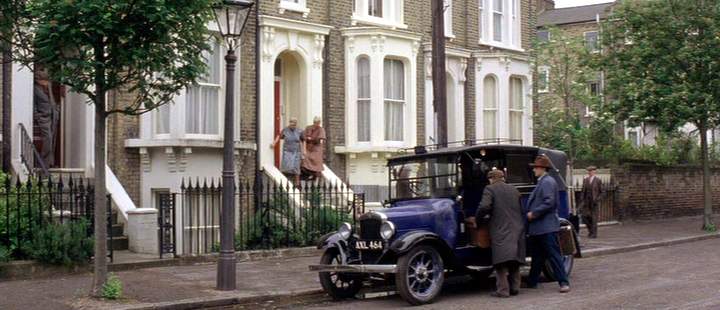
x: 230, y: 16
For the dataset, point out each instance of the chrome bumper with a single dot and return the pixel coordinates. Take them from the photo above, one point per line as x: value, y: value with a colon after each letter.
x: 355, y: 268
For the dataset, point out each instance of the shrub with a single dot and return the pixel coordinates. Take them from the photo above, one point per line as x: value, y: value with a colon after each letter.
x: 63, y: 244
x: 21, y: 210
x: 4, y: 254
x: 113, y: 288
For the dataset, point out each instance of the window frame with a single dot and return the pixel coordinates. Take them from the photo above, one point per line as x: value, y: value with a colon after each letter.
x: 448, y: 15
x: 156, y: 121
x: 546, y: 83
x: 220, y: 94
x: 369, y: 98
x: 292, y: 5
x: 511, y: 24
x: 503, y: 27
x: 403, y: 102
x: 392, y: 14
x: 596, y: 46
x: 496, y: 109
x: 511, y: 109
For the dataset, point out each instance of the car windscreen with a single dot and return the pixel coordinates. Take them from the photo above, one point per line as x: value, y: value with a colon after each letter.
x: 424, y: 178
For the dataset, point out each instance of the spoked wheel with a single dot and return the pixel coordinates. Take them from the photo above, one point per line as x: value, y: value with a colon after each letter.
x: 420, y: 275
x: 339, y: 285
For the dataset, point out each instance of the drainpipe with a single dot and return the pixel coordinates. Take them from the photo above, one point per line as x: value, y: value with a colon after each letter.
x: 7, y: 107
x: 258, y: 147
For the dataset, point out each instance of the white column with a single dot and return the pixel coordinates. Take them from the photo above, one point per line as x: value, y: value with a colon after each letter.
x: 503, y: 105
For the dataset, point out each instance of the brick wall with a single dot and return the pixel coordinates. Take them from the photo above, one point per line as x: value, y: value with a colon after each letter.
x: 652, y: 192
x: 125, y: 163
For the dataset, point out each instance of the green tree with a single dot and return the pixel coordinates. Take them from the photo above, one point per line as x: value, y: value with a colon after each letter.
x: 662, y: 63
x: 151, y: 48
x: 561, y: 65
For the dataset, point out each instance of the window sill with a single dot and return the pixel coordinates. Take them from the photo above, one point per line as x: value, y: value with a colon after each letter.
x: 186, y: 142
x: 376, y: 21
x: 502, y: 46
x: 294, y: 7
x: 368, y: 149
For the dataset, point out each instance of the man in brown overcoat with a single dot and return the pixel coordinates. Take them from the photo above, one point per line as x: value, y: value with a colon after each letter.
x: 507, y: 232
x: 591, y: 191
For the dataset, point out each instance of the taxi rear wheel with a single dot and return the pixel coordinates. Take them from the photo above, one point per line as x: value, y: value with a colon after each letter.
x: 420, y: 275
x: 339, y: 285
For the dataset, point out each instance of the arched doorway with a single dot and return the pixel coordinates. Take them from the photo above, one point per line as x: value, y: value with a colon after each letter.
x: 289, y: 92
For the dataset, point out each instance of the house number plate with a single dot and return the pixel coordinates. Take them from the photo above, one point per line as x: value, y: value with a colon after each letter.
x: 368, y: 245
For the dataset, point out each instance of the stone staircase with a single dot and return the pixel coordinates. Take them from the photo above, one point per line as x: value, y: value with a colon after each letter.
x: 119, y: 241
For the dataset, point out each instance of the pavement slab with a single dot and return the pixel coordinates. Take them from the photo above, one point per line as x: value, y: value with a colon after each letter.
x: 289, y: 276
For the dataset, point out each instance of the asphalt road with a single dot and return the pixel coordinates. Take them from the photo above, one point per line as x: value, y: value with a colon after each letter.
x: 685, y: 276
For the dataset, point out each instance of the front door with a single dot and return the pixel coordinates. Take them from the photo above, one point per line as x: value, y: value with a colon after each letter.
x: 277, y: 117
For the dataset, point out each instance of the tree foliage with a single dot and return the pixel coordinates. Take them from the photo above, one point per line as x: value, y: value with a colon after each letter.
x: 151, y: 48
x: 662, y: 61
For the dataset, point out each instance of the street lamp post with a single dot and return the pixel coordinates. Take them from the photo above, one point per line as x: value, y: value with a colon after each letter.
x: 231, y: 17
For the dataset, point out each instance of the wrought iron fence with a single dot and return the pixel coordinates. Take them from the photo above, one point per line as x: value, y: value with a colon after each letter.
x: 267, y: 215
x: 27, y: 207
x: 607, y: 204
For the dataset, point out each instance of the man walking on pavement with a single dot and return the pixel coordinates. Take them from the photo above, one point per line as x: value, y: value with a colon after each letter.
x: 591, y: 190
x: 543, y: 226
x: 507, y: 232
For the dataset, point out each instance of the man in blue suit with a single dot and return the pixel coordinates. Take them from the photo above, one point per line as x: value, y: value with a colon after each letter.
x: 543, y: 226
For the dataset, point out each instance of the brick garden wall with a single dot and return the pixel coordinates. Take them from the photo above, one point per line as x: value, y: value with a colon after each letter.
x: 650, y: 192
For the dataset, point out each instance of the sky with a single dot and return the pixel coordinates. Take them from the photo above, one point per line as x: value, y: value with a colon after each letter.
x: 568, y: 3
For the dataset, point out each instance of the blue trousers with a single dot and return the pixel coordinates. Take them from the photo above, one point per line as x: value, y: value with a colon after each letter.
x: 546, y: 247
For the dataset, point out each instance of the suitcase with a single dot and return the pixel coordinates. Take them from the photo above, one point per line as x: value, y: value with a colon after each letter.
x: 479, y: 235
x: 567, y: 241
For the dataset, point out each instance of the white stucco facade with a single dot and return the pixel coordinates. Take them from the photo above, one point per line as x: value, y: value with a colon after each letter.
x: 456, y: 65
x: 502, y: 67
x: 304, y: 42
x: 366, y: 158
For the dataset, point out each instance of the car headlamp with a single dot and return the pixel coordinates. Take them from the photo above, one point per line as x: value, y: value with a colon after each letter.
x: 345, y: 230
x: 387, y: 230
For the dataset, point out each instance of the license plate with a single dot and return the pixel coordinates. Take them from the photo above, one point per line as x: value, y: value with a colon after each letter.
x: 369, y: 245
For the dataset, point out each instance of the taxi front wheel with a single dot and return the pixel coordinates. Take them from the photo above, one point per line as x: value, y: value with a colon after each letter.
x: 420, y: 275
x: 339, y: 285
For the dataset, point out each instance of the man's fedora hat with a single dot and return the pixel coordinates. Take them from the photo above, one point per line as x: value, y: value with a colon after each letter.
x: 591, y: 168
x: 542, y: 161
x: 496, y: 174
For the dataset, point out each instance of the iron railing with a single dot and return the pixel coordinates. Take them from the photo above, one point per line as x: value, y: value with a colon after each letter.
x: 607, y: 204
x: 27, y: 207
x: 29, y: 155
x: 267, y: 215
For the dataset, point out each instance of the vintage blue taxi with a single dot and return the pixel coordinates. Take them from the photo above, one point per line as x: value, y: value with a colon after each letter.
x: 421, y: 236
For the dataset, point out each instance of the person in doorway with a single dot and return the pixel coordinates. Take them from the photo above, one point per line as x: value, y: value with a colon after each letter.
x: 292, y: 151
x: 314, y: 136
x: 591, y: 190
x: 507, y: 232
x: 543, y: 226
x: 46, y: 115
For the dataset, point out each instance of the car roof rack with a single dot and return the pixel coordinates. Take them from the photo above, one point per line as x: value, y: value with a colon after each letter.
x: 422, y: 149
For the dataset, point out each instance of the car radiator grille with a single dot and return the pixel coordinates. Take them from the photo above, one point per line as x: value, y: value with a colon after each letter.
x: 370, y: 229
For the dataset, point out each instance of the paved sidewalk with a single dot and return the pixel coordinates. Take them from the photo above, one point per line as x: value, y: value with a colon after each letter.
x: 266, y: 278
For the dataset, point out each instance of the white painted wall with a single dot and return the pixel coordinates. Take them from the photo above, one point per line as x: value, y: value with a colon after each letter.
x: 455, y: 67
x: 503, y: 66
x: 306, y: 42
x: 22, y: 111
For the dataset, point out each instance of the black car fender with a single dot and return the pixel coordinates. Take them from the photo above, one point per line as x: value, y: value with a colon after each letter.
x: 409, y: 240
x: 334, y: 240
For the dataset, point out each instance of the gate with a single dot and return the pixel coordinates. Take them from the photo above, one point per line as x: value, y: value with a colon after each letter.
x: 166, y: 224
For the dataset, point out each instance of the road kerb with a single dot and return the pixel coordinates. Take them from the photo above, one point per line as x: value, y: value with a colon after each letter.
x: 220, y: 301
x: 647, y: 245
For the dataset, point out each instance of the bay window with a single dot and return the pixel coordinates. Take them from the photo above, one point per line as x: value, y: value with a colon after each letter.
x: 448, y: 12
x: 363, y: 99
x: 490, y: 107
x: 499, y: 23
x: 202, y: 102
x: 385, y: 13
x: 162, y: 119
x: 375, y: 8
x: 394, y: 99
x: 516, y: 108
x: 498, y: 20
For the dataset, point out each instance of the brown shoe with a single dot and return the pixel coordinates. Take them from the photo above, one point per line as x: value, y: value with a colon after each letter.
x: 565, y: 289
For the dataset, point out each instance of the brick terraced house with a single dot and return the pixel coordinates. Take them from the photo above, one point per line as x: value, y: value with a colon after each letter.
x: 364, y: 66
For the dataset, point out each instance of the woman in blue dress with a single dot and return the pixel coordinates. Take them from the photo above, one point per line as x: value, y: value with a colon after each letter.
x: 292, y: 150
